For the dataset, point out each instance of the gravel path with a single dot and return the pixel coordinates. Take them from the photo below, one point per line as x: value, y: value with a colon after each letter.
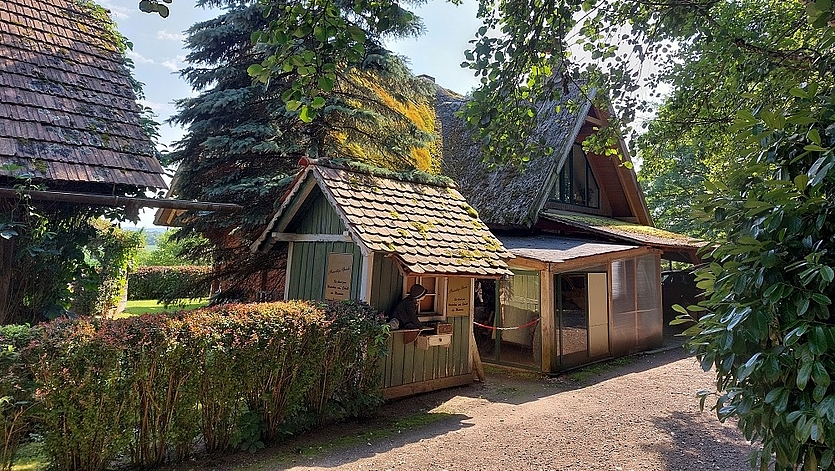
x: 643, y: 415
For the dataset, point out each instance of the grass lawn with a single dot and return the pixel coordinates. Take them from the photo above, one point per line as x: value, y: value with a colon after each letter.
x: 30, y: 457
x: 149, y: 306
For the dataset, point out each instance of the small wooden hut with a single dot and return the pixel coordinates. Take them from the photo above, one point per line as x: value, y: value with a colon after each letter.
x: 587, y: 275
x: 368, y: 234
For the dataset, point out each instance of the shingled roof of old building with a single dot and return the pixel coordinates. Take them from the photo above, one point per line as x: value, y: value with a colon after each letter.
x: 68, y: 111
x: 425, y: 224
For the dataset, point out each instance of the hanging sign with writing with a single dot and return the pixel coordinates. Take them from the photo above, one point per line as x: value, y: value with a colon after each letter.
x: 338, y: 279
x: 458, y: 297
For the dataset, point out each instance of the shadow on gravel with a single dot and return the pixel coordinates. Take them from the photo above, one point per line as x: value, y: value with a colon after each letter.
x: 691, y: 444
x: 515, y: 387
x: 367, y: 444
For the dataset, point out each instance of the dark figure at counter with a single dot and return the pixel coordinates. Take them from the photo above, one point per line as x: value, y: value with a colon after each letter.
x: 406, y: 310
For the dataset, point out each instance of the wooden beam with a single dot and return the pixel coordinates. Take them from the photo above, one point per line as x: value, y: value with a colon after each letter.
x: 106, y: 200
x: 411, y: 389
x: 287, y: 271
x: 367, y: 274
x: 595, y: 121
x: 606, y: 258
x: 547, y: 317
x: 293, y: 237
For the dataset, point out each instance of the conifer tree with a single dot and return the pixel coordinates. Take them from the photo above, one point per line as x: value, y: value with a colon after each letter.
x: 244, y: 138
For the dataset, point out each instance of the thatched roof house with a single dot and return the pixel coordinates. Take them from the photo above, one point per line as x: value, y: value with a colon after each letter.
x: 511, y: 197
x: 587, y: 272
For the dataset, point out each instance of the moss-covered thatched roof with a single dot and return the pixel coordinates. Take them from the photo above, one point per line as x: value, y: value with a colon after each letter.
x: 508, y: 196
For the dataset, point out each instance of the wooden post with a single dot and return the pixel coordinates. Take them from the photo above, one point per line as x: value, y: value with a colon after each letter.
x: 477, y: 369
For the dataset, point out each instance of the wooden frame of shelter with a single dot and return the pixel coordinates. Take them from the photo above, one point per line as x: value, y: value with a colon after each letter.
x: 359, y: 234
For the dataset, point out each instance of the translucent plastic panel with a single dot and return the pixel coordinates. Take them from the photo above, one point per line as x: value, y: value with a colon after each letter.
x: 624, y: 320
x: 649, y: 284
x: 623, y: 285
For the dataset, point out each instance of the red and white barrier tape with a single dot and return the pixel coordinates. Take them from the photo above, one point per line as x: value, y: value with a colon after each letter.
x: 491, y: 327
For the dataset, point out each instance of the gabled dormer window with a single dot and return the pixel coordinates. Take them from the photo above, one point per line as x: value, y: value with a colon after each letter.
x: 576, y: 184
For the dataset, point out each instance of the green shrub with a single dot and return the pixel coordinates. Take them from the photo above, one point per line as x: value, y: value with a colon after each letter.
x: 149, y: 388
x: 85, y: 392
x: 112, y: 253
x: 180, y: 282
x: 17, y: 389
x: 162, y: 360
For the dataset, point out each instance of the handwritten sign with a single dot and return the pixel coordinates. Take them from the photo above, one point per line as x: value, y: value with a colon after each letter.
x: 338, y: 279
x: 458, y: 297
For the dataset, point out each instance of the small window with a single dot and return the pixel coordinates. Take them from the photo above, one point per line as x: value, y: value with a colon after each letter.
x: 428, y: 305
x: 576, y: 184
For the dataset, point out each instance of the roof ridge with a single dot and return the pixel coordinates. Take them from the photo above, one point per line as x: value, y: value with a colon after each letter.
x: 409, y: 176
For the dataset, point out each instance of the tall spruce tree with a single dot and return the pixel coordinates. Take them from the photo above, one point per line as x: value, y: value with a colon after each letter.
x: 244, y: 138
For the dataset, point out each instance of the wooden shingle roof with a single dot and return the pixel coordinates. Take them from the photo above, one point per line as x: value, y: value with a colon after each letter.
x: 428, y: 228
x: 68, y: 111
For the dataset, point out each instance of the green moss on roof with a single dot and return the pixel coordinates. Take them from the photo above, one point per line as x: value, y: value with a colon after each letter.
x: 470, y: 210
x: 622, y: 226
x: 414, y: 176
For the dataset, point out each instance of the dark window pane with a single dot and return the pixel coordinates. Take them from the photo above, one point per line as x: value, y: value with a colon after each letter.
x: 574, y: 323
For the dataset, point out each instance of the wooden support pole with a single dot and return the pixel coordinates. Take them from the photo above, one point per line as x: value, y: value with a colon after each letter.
x: 478, y: 369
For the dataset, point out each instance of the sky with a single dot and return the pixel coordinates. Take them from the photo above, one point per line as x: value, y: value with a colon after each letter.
x: 158, y: 53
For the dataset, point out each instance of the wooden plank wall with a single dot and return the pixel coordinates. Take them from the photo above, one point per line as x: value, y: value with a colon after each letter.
x: 308, y: 265
x: 386, y: 284
x: 408, y: 365
x: 306, y: 278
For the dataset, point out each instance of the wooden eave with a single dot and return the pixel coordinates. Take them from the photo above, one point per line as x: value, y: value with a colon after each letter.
x: 116, y: 201
x: 292, y: 201
x: 683, y: 252
x: 579, y: 263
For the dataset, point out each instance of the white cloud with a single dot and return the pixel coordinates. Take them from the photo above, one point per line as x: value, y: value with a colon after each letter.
x: 138, y: 58
x: 117, y: 12
x: 168, y: 36
x: 171, y: 64
x: 162, y: 110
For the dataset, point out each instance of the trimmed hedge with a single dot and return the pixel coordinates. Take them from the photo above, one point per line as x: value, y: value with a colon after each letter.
x: 146, y: 390
x: 180, y: 282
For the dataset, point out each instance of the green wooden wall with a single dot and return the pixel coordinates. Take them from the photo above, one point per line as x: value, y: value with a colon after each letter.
x: 316, y: 216
x: 386, y: 284
x: 308, y: 264
x: 309, y: 259
x: 406, y: 363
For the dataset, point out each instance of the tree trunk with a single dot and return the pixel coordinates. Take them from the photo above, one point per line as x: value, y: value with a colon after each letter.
x: 6, y: 259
